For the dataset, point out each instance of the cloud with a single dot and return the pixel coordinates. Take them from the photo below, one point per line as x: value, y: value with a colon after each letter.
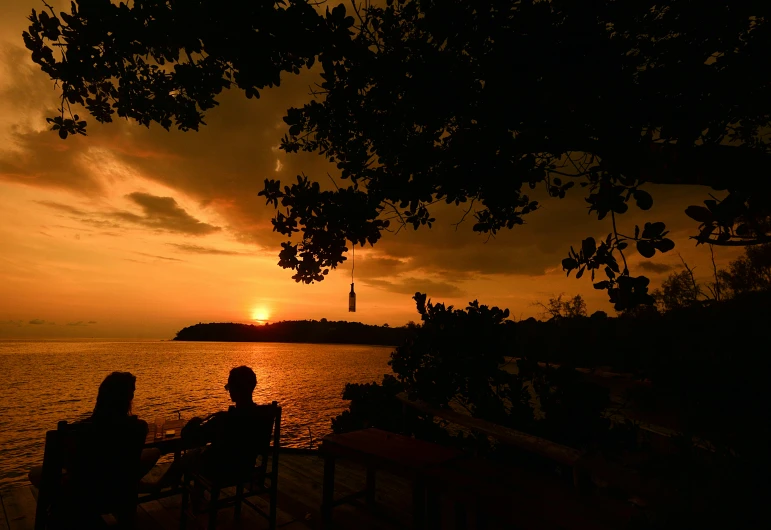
x: 412, y: 285
x: 37, y: 321
x: 163, y: 213
x: 100, y: 224
x: 656, y: 268
x: 11, y: 322
x: 92, y: 321
x: 78, y: 323
x: 198, y: 249
x: 66, y: 208
x: 157, y: 257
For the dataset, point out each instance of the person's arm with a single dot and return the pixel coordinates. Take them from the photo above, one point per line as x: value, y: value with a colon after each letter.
x: 202, y: 431
x: 143, y: 428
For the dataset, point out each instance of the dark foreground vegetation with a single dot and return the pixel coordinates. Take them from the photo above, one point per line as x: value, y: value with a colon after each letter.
x: 310, y: 331
x: 703, y: 361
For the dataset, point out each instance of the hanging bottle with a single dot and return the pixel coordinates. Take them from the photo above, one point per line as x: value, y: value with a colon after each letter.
x: 352, y: 301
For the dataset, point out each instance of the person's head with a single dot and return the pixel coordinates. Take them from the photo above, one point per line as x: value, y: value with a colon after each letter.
x: 115, y: 395
x: 241, y: 384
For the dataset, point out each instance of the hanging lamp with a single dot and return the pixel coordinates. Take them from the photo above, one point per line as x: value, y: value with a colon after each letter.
x: 352, y: 294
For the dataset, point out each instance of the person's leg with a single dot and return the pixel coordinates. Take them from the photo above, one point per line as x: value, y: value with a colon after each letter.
x: 188, y: 462
x: 35, y: 476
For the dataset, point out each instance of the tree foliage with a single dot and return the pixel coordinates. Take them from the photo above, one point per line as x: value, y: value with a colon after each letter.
x: 463, y: 102
x: 679, y: 290
x: 564, y: 308
x: 749, y: 273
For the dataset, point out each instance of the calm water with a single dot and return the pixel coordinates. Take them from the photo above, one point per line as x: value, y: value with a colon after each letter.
x: 44, y: 382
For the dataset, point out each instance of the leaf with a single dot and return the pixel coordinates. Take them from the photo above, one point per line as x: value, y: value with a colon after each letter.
x: 580, y: 272
x: 602, y: 285
x: 643, y: 199
x: 646, y: 249
x: 699, y: 213
x: 589, y: 247
x: 569, y: 264
x: 653, y: 230
x: 664, y: 245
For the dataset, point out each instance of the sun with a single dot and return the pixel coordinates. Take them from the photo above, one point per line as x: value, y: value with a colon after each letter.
x: 260, y: 314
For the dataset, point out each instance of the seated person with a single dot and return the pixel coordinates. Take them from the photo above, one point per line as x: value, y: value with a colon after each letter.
x: 111, y: 427
x: 235, y: 435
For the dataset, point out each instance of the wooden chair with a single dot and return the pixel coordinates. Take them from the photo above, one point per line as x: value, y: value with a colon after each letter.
x: 248, y: 482
x: 88, y: 471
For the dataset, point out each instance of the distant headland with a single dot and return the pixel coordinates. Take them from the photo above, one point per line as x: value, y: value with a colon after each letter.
x: 308, y: 331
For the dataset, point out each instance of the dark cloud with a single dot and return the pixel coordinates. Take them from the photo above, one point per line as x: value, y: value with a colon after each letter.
x: 656, y: 268
x: 37, y: 321
x: 97, y: 223
x: 78, y: 323
x: 198, y: 249
x: 163, y: 213
x: 73, y: 228
x: 156, y: 257
x: 379, y: 267
x: 412, y: 285
x: 66, y: 208
x: 531, y: 249
x: 11, y: 322
x: 92, y: 321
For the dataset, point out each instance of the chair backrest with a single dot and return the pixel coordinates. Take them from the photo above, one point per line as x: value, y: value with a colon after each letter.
x: 272, y: 448
x: 245, y: 438
x: 102, y: 463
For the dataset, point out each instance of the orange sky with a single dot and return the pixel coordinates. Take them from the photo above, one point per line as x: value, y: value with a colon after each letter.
x: 131, y: 232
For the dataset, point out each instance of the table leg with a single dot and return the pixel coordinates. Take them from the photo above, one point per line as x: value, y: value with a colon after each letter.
x: 433, y: 510
x: 461, y: 522
x: 371, y: 486
x: 328, y: 491
x: 419, y: 503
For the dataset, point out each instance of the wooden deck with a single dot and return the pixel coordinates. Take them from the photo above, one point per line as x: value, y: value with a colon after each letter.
x: 299, y: 502
x: 527, y: 501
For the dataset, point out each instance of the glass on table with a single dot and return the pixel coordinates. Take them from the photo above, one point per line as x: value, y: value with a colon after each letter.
x: 159, y: 423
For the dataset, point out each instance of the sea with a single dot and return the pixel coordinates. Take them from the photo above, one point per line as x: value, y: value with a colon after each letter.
x: 43, y: 382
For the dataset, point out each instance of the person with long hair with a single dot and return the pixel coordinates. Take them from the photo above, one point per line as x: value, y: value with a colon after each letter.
x: 113, y: 409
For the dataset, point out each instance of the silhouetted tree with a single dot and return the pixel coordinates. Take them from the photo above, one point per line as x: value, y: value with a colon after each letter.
x: 751, y: 272
x: 610, y: 95
x: 678, y: 291
x: 748, y: 273
x: 560, y: 308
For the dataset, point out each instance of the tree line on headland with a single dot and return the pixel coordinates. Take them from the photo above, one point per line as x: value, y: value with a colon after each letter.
x: 309, y: 331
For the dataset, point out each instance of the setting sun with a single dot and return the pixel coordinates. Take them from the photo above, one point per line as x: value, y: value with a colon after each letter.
x: 260, y: 314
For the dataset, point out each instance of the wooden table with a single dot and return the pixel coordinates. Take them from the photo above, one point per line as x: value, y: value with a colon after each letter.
x: 166, y: 444
x: 378, y: 449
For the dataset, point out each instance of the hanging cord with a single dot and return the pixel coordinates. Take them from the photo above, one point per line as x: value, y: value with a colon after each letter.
x: 353, y: 259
